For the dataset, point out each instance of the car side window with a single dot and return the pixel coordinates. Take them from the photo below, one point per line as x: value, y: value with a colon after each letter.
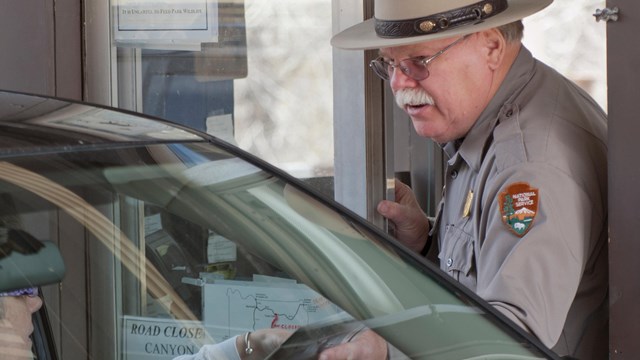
x: 169, y: 247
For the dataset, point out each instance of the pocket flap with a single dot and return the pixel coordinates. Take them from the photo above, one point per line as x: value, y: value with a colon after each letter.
x: 457, y: 252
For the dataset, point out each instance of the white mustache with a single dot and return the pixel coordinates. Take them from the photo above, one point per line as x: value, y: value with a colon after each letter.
x: 414, y: 97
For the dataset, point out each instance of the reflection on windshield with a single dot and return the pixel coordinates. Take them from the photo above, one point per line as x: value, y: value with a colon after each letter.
x: 192, y: 246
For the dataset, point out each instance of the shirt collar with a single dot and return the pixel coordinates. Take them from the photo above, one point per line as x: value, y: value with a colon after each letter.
x: 474, y: 142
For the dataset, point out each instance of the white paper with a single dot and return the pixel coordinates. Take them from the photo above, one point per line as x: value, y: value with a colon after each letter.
x: 166, y: 24
x: 152, y: 223
x: 156, y: 338
x: 221, y: 126
x: 234, y: 307
x: 220, y: 249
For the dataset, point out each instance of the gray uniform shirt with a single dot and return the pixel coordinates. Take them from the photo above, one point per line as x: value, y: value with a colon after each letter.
x: 523, y: 221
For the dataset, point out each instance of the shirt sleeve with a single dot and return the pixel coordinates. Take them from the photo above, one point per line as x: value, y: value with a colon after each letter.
x: 533, y: 277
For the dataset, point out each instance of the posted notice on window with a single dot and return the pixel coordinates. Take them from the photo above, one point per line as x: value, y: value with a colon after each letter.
x: 161, y: 339
x: 166, y: 24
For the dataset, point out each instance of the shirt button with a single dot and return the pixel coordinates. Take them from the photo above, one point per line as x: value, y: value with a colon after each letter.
x: 454, y: 174
x: 449, y: 261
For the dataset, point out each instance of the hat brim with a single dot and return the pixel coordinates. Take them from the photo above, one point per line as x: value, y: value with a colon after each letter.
x: 363, y: 36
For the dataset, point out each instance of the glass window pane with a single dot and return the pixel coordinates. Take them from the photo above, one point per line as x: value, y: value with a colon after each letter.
x: 174, y: 246
x: 264, y: 82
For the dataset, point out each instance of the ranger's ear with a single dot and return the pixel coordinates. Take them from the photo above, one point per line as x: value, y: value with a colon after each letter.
x: 495, y: 47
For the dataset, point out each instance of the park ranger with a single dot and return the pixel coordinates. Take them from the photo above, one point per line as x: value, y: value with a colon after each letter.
x: 523, y: 218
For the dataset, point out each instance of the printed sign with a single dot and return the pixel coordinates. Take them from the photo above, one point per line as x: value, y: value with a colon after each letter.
x: 157, y: 338
x: 166, y: 24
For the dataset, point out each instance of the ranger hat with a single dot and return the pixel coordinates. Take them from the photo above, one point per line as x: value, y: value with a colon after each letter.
x: 404, y: 22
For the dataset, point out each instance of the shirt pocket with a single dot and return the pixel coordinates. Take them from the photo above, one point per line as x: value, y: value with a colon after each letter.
x: 457, y: 256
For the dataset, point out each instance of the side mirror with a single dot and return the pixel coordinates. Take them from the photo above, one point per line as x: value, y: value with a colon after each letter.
x: 27, y: 262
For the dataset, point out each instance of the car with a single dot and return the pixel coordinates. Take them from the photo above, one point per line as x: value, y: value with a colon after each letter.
x: 164, y: 239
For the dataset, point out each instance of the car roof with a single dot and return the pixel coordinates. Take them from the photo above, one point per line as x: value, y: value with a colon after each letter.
x: 33, y: 124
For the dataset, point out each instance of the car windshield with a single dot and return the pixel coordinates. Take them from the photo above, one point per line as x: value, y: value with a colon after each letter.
x: 173, y: 245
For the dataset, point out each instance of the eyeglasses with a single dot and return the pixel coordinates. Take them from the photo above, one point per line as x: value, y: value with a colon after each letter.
x: 31, y: 292
x: 415, y: 67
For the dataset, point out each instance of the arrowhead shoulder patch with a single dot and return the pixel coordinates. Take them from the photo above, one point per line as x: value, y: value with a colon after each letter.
x: 519, y: 206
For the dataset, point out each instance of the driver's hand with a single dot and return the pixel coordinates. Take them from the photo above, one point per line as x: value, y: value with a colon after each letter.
x: 411, y: 224
x: 366, y: 345
x: 263, y: 342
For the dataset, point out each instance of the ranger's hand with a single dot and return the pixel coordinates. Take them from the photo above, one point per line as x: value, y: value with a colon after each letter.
x: 367, y: 345
x: 411, y: 224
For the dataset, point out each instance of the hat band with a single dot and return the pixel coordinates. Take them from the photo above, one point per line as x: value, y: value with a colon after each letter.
x: 474, y: 13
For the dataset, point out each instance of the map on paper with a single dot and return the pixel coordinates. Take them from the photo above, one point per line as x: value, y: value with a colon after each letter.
x: 233, y: 307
